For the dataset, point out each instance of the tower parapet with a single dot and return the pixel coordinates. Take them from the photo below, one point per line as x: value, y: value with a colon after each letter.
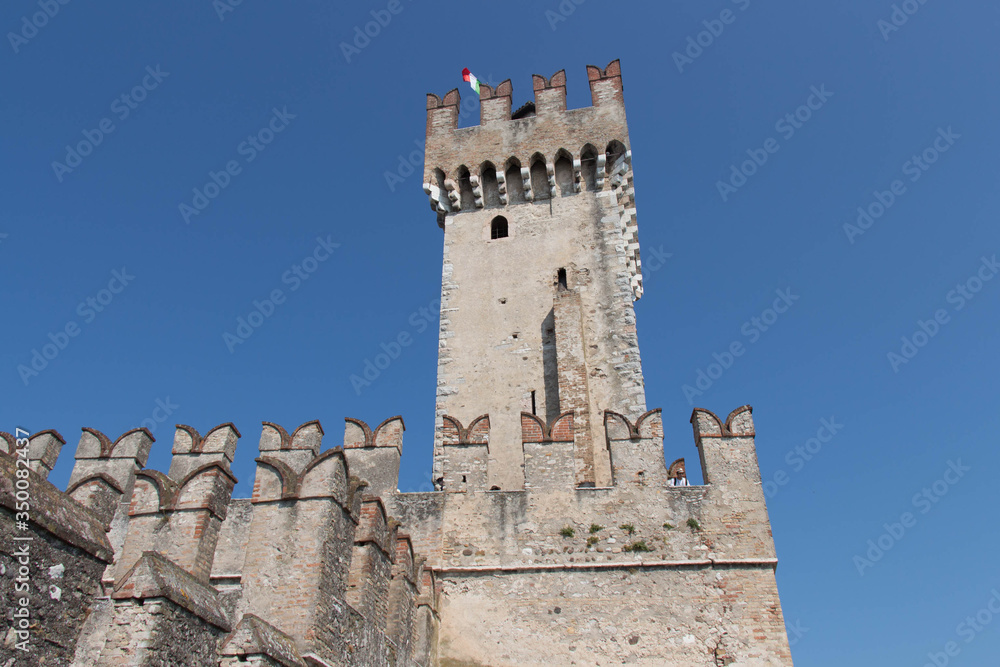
x: 374, y: 455
x: 551, y: 508
x: 548, y: 190
x: 179, y: 514
x: 104, y: 472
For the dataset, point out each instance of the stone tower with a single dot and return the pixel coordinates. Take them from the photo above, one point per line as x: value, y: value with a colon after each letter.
x: 557, y: 535
x: 556, y: 532
x: 541, y: 266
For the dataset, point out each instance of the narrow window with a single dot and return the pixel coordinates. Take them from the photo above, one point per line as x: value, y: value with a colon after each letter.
x: 533, y: 402
x: 515, y: 186
x: 498, y: 228
x: 467, y: 199
x: 564, y: 175
x: 491, y: 189
x: 588, y: 162
x: 562, y: 279
x: 616, y: 150
x: 539, y: 179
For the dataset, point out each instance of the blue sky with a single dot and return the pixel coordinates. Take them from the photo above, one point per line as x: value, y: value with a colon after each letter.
x: 341, y: 118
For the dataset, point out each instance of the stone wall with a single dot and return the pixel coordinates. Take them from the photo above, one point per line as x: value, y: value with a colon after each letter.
x: 51, y: 560
x: 638, y: 571
x: 553, y: 536
x: 191, y: 574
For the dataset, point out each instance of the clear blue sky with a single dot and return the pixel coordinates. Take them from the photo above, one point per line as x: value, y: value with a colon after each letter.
x: 160, y: 338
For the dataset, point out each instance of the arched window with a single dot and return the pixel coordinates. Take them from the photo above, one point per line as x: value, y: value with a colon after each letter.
x: 467, y: 198
x: 616, y: 149
x: 515, y: 187
x: 539, y: 178
x: 498, y: 228
x: 439, y: 180
x: 564, y: 174
x: 588, y: 162
x: 491, y: 189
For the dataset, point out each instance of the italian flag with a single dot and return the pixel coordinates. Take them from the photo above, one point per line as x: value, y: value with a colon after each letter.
x: 471, y: 78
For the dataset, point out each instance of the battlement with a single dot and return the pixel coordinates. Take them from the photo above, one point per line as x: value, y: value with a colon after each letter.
x: 549, y: 98
x: 554, y: 506
x: 330, y: 566
x: 43, y: 450
x: 541, y: 152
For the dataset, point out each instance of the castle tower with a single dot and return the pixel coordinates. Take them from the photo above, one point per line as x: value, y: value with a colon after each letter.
x: 541, y: 267
x: 557, y: 533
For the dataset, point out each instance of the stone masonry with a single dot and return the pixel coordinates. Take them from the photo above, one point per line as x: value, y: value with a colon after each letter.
x: 554, y: 536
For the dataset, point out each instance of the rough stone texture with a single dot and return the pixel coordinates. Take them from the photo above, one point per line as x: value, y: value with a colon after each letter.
x: 634, y: 616
x: 256, y: 642
x: 61, y: 585
x: 495, y: 322
x: 374, y: 455
x: 554, y: 536
x: 158, y: 633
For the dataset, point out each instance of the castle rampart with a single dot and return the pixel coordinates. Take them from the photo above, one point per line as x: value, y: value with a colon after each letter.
x: 556, y: 533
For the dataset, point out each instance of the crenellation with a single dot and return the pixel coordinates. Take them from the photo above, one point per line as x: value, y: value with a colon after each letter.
x: 180, y: 518
x: 550, y: 94
x: 494, y: 105
x: 553, y: 509
x: 374, y: 455
x: 43, y: 451
x: 636, y: 450
x: 192, y: 450
x: 104, y: 471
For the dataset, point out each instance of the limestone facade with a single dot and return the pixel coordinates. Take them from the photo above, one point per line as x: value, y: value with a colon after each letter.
x: 554, y: 536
